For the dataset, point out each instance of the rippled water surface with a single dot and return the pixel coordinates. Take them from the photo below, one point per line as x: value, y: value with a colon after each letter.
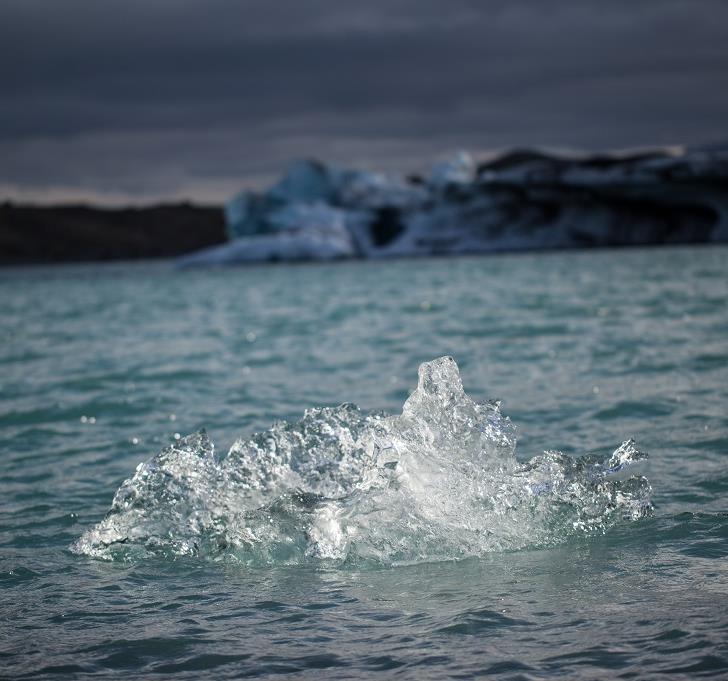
x: 101, y: 367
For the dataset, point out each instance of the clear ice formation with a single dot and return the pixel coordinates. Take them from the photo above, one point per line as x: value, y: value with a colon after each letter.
x: 518, y: 200
x: 340, y: 487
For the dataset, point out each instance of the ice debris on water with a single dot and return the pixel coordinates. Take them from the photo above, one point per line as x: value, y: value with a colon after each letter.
x: 440, y: 481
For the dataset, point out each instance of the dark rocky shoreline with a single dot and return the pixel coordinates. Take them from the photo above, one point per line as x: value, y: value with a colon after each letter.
x: 78, y: 233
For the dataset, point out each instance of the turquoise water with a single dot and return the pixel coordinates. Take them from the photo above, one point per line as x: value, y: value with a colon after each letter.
x: 103, y: 366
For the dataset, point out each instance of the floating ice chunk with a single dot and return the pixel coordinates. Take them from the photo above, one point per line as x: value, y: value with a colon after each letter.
x: 440, y: 481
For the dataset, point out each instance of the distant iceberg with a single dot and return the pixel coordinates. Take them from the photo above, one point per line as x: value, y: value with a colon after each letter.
x: 520, y: 200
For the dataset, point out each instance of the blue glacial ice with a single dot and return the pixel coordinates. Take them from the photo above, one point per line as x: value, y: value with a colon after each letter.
x: 515, y: 201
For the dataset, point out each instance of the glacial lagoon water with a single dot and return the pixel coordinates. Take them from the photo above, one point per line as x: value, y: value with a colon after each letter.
x: 442, y: 542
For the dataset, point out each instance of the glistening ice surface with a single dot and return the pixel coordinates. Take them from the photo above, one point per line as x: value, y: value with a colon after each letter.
x: 440, y: 481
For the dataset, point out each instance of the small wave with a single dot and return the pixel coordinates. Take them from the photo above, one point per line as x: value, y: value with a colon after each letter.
x: 439, y: 482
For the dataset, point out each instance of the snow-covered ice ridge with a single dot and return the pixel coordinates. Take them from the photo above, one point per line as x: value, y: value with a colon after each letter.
x: 520, y: 200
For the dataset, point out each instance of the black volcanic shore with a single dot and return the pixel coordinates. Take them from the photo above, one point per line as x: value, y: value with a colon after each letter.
x: 55, y: 234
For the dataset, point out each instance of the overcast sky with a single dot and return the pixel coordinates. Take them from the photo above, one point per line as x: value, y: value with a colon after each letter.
x: 141, y: 100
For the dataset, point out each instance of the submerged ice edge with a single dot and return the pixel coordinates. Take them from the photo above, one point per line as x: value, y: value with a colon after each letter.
x: 440, y: 481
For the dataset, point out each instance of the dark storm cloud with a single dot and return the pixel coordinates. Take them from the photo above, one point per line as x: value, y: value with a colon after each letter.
x: 171, y: 97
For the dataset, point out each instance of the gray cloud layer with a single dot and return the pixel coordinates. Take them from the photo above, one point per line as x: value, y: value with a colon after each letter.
x: 168, y: 98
